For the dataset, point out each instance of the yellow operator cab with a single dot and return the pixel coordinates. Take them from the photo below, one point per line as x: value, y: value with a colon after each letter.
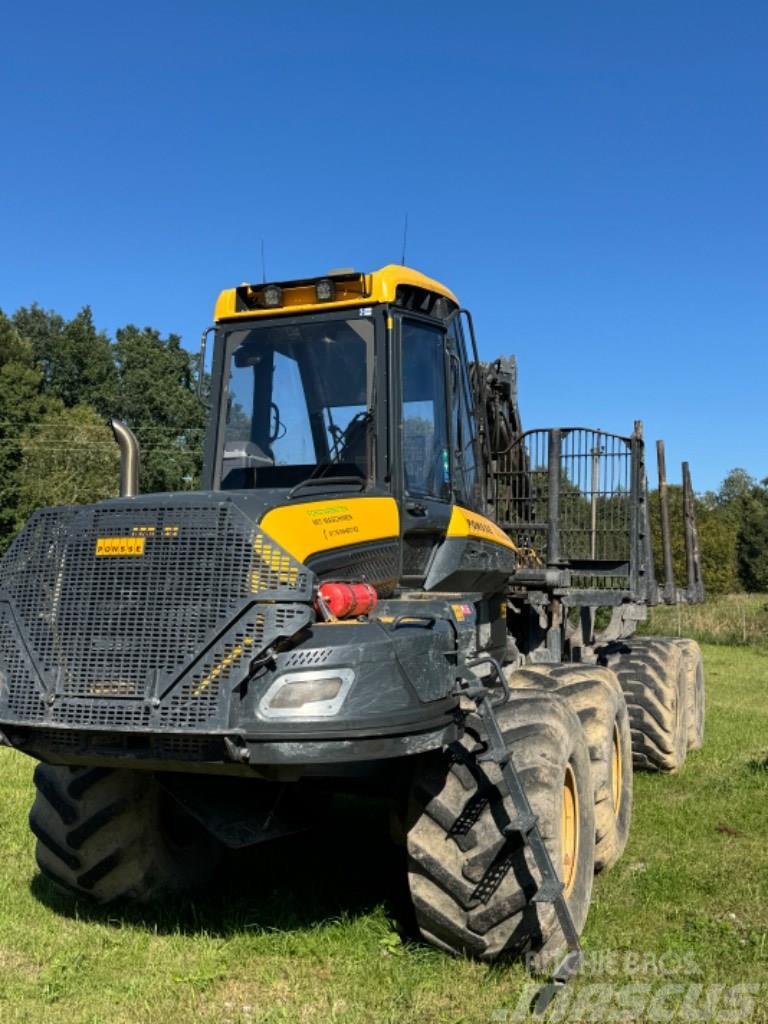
x: 346, y: 413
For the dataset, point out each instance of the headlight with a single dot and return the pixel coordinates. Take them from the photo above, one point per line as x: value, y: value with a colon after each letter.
x: 317, y: 694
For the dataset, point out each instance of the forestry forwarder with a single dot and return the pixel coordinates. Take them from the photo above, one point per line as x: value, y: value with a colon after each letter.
x: 384, y: 585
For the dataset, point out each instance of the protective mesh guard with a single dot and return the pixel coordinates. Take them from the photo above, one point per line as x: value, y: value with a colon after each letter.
x: 108, y: 633
x: 17, y: 684
x: 196, y: 699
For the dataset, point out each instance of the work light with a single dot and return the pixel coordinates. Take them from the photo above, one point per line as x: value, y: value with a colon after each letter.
x: 272, y: 295
x: 325, y: 290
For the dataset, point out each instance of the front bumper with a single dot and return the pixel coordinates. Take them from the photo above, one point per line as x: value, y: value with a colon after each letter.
x: 286, y: 759
x: 400, y: 703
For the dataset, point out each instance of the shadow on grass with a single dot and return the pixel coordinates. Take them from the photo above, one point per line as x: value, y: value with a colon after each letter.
x: 345, y: 869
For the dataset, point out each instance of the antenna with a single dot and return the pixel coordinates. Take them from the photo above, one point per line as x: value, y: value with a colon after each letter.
x: 263, y: 265
x: 405, y: 237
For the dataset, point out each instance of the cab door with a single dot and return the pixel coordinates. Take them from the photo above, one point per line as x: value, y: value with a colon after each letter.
x: 425, y: 445
x: 465, y: 449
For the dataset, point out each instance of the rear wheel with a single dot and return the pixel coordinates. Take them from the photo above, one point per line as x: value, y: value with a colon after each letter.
x: 472, y: 885
x: 694, y: 667
x: 654, y: 677
x: 595, y: 695
x: 109, y: 834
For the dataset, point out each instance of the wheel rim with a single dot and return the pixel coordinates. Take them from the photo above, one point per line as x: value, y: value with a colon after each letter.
x: 617, y: 768
x: 570, y: 830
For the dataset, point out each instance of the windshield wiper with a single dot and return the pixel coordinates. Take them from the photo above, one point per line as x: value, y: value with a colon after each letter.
x: 327, y: 481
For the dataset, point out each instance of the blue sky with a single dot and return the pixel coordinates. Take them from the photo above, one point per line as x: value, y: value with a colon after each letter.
x: 589, y: 177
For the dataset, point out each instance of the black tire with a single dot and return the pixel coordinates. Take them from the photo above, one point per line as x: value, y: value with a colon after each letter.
x: 595, y: 694
x: 107, y: 835
x: 652, y: 672
x: 471, y: 885
x: 694, y: 667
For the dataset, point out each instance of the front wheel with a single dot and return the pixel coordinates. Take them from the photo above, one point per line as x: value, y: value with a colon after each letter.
x: 106, y: 835
x: 472, y: 884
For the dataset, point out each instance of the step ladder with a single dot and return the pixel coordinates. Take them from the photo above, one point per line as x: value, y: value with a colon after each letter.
x: 525, y: 823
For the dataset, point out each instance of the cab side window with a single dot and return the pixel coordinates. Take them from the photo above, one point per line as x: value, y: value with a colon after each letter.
x: 463, y: 424
x: 426, y: 453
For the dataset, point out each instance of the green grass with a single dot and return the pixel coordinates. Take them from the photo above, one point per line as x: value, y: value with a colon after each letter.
x: 305, y: 932
x: 728, y: 619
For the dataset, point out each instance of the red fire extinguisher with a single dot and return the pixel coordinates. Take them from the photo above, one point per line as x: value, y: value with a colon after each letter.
x: 347, y: 600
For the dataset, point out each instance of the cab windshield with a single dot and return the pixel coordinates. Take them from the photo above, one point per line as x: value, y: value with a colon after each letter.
x: 299, y: 403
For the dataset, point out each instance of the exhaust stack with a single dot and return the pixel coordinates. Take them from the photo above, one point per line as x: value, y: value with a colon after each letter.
x: 129, y: 458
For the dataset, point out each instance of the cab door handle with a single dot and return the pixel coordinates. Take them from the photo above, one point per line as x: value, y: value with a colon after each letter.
x: 413, y: 508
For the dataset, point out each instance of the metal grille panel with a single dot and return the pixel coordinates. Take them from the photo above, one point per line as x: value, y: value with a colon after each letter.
x: 308, y: 656
x: 377, y: 564
x: 196, y: 699
x: 171, y: 745
x: 111, y: 633
x: 23, y: 695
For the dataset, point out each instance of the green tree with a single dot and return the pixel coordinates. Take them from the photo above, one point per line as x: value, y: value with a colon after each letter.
x: 22, y: 403
x: 68, y: 457
x: 752, y: 538
x: 157, y: 398
x: 717, y: 542
x: 737, y: 486
x: 41, y: 328
x: 59, y: 381
x: 76, y: 360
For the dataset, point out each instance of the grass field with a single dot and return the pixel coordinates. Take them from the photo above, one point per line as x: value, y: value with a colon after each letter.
x: 306, y: 932
x: 728, y: 619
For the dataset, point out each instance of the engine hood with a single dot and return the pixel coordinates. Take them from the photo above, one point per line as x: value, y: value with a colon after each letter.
x: 132, y: 613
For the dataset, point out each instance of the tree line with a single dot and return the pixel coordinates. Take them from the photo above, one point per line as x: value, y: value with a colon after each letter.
x: 60, y: 380
x: 733, y: 534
